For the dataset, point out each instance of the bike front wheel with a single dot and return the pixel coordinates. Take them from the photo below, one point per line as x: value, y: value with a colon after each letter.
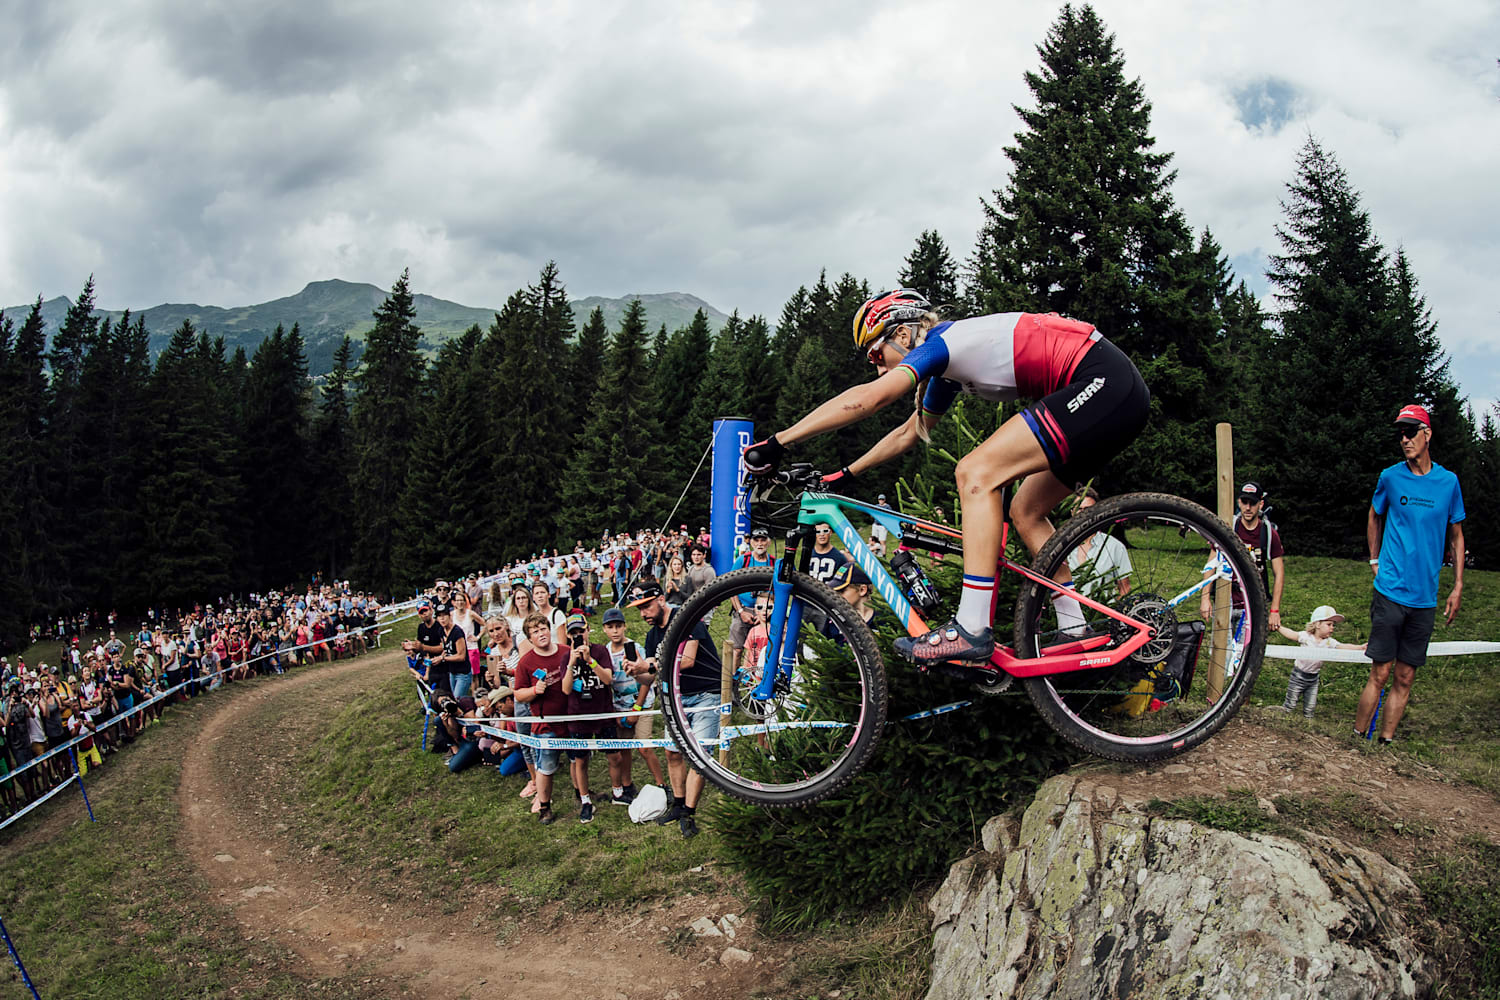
x: 821, y: 724
x: 1146, y: 556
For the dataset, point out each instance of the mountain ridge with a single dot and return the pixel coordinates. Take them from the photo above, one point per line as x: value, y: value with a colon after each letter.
x: 330, y: 308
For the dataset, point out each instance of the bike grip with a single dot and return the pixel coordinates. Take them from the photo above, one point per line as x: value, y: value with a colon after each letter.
x: 762, y: 456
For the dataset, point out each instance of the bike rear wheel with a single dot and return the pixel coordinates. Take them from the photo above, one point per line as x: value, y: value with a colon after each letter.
x: 819, y: 729
x: 1145, y: 555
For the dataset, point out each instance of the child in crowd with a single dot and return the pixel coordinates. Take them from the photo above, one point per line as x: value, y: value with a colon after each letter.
x: 1305, y: 673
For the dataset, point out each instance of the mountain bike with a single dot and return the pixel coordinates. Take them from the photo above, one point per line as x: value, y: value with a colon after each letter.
x: 803, y: 717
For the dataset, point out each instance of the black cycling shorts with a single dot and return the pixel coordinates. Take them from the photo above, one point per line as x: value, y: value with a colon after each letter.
x: 1094, y: 417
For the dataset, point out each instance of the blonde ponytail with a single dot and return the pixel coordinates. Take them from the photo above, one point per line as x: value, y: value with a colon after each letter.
x: 919, y: 337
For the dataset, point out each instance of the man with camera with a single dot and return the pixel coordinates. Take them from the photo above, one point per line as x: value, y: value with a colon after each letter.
x: 587, y: 680
x: 698, y: 678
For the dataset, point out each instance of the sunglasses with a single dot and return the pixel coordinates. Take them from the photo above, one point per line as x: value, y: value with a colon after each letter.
x: 1409, y: 430
x: 876, y: 352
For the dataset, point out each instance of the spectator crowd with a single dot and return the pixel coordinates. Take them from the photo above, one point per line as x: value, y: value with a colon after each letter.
x: 94, y: 678
x: 514, y: 649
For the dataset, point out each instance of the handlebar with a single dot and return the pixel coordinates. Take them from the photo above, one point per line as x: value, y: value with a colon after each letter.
x: 799, y: 476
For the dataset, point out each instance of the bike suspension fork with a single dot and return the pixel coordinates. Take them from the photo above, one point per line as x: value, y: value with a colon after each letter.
x: 786, y: 615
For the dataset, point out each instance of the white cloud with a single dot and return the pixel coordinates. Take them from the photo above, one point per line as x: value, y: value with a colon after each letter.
x: 228, y: 153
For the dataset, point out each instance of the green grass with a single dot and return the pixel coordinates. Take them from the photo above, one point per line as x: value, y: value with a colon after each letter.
x: 370, y: 796
x: 114, y: 909
x: 1453, y: 719
x: 880, y: 956
x: 1461, y: 889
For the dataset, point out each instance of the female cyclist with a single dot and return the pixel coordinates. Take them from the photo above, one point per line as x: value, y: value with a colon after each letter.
x: 1090, y: 403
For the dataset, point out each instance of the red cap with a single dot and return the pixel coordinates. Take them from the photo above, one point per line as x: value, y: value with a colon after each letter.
x: 1411, y: 413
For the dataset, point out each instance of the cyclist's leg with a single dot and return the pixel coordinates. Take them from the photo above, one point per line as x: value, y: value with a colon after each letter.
x: 1008, y: 454
x: 1035, y: 499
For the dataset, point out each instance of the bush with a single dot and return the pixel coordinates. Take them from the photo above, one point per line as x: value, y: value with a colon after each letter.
x: 915, y: 809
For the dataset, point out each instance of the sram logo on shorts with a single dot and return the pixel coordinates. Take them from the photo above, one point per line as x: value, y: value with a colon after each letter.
x: 1083, y: 397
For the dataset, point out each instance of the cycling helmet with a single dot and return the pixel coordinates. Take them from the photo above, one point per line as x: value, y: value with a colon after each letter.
x: 904, y: 305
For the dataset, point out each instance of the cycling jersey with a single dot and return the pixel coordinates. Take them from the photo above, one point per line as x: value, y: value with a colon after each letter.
x: 1090, y: 401
x: 998, y: 357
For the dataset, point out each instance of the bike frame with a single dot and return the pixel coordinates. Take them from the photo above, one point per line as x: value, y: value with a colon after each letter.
x: 829, y: 508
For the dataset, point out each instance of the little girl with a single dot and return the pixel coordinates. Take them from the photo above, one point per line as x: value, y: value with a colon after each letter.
x: 1305, y: 673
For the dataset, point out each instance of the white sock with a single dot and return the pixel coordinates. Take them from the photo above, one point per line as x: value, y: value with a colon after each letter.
x: 1069, y: 612
x: 974, y: 604
x: 586, y: 800
x: 618, y: 790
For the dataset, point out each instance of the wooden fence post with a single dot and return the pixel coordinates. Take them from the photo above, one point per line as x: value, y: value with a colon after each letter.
x: 727, y: 667
x: 1224, y: 440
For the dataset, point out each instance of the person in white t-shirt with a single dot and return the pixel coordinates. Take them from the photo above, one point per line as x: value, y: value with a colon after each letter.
x: 1307, y: 673
x: 1102, y: 559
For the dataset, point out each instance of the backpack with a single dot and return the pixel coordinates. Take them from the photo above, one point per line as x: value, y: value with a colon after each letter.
x: 1267, y: 527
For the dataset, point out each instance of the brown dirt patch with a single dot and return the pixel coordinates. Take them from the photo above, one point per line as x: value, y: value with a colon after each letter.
x: 339, y: 924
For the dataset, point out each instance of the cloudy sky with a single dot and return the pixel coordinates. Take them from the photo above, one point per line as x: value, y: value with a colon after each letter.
x: 228, y: 153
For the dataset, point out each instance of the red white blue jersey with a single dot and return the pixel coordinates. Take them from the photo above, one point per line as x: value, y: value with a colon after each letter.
x: 1000, y: 357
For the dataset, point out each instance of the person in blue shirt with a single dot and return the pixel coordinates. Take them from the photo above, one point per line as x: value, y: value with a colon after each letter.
x: 1416, y: 515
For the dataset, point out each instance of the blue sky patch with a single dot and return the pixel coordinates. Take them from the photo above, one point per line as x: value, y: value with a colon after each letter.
x: 1266, y: 103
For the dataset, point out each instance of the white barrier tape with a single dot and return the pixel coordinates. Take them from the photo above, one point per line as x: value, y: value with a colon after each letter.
x: 95, y: 726
x: 1359, y: 656
x: 565, y: 742
x: 202, y: 679
x: 61, y: 787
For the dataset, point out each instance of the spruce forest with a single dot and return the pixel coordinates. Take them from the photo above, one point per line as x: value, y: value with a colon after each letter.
x: 139, y: 480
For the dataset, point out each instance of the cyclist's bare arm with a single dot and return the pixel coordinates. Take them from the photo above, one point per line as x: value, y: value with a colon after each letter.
x: 850, y: 406
x: 898, y: 442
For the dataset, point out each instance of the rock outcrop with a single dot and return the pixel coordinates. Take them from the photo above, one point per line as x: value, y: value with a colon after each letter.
x: 1089, y: 897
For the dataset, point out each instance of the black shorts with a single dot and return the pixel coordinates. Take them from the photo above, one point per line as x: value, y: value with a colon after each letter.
x: 1094, y: 417
x: 579, y: 754
x: 1398, y: 632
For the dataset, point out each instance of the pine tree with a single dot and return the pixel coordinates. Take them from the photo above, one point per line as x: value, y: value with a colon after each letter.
x: 1482, y: 494
x: 931, y: 270
x: 276, y: 468
x: 191, y: 490
x: 68, y: 435
x: 536, y: 408
x: 441, y: 501
x: 115, y: 402
x: 809, y: 383
x: 760, y: 372
x: 15, y: 601
x: 1086, y: 227
x: 588, y: 353
x: 678, y: 386
x: 34, y: 559
x: 383, y: 422
x: 1339, y: 324
x: 613, y: 478
x: 331, y: 515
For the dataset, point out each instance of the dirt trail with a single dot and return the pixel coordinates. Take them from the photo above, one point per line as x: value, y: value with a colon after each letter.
x: 339, y: 928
